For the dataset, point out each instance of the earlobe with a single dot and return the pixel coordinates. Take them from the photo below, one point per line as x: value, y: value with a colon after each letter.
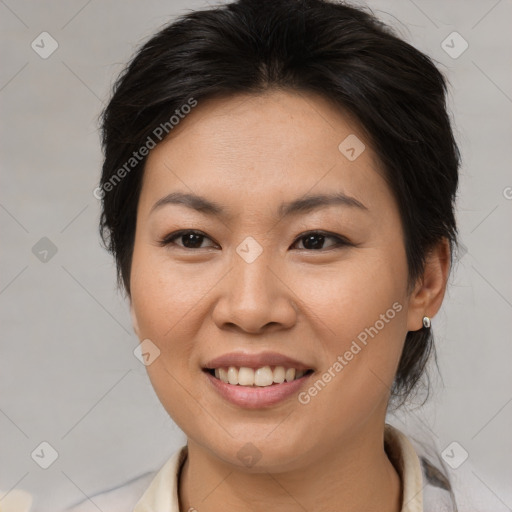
x: 428, y: 294
x: 135, y: 323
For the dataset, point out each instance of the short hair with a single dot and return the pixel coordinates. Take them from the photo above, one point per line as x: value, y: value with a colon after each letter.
x: 340, y: 52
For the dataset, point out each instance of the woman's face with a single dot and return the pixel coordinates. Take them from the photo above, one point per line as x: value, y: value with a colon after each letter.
x: 256, y: 281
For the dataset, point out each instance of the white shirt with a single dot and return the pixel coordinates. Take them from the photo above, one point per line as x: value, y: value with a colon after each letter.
x: 425, y: 488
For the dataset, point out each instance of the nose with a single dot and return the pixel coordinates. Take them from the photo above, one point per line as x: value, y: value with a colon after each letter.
x: 255, y: 297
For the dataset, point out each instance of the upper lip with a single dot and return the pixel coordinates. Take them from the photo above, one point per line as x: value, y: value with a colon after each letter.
x: 259, y: 360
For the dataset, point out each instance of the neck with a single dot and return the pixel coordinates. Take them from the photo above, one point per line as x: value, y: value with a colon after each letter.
x: 352, y: 479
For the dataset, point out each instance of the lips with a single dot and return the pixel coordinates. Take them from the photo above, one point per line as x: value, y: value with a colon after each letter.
x: 256, y: 396
x: 256, y: 380
x: 244, y: 359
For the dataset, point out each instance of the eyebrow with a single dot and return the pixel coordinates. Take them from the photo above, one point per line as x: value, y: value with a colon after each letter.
x: 302, y: 205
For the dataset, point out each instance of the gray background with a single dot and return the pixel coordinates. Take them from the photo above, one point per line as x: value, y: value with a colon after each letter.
x: 68, y: 375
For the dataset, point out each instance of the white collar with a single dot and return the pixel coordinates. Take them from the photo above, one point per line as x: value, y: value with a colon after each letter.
x: 162, y: 493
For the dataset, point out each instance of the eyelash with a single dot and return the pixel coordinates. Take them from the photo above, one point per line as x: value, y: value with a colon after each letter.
x: 169, y: 239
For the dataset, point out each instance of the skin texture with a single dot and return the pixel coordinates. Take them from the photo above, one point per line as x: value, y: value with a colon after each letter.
x: 249, y: 153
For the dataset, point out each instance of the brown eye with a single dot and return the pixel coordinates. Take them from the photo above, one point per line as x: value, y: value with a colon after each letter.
x: 314, y: 240
x: 189, y: 239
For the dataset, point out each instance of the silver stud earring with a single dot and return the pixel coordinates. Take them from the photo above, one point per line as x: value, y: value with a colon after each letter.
x: 426, y: 322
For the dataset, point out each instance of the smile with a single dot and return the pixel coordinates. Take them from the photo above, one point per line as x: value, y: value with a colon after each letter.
x: 256, y: 377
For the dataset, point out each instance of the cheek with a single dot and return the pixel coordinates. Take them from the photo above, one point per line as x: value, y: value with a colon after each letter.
x: 167, y: 302
x: 165, y: 293
x: 352, y: 296
x: 163, y: 302
x: 360, y: 316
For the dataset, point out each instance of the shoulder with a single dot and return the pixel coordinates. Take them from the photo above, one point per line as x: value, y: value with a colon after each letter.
x: 443, y: 488
x: 424, y: 486
x: 118, y: 499
x: 145, y: 492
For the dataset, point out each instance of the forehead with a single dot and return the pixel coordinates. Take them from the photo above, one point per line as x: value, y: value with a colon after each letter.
x: 264, y: 147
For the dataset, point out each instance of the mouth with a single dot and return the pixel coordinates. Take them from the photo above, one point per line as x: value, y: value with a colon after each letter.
x: 262, y: 377
x: 256, y: 380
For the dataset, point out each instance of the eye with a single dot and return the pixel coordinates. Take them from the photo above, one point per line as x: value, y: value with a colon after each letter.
x: 314, y: 240
x: 190, y: 239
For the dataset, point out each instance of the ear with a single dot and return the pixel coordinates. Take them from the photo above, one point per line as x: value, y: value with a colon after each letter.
x: 428, y: 293
x: 135, y: 323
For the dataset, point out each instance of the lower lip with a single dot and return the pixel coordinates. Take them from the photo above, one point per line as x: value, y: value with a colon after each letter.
x: 256, y: 397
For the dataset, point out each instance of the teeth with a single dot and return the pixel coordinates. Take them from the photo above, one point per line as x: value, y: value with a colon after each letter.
x: 290, y: 374
x: 279, y: 373
x: 262, y: 377
x: 232, y: 375
x: 245, y: 376
x: 223, y: 375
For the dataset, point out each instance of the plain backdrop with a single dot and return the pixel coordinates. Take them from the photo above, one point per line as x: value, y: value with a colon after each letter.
x: 68, y: 374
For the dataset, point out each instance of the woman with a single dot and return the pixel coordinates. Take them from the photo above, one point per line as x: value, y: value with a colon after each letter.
x: 278, y: 192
